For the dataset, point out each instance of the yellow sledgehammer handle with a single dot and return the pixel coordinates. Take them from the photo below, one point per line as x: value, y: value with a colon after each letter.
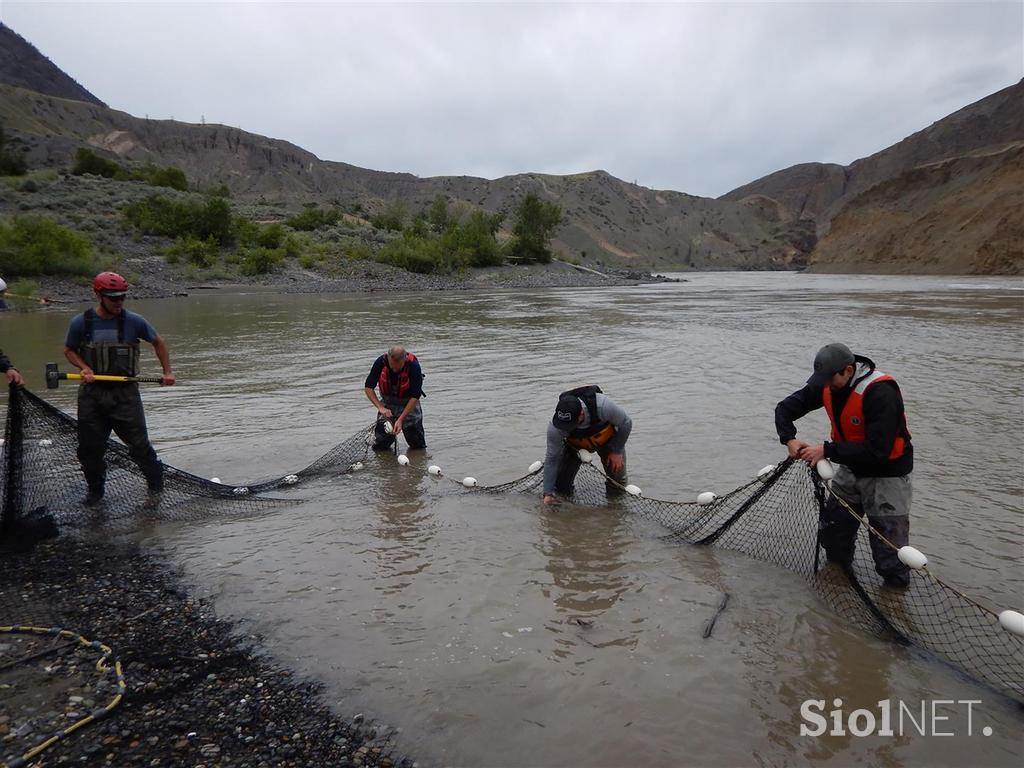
x: 53, y: 377
x: 101, y: 377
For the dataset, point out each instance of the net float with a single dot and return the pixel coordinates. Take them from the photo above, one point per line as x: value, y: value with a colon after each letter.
x: 825, y: 469
x: 403, y: 459
x: 633, y: 490
x: 434, y: 469
x: 535, y: 466
x: 912, y: 557
x: 706, y: 498
x: 469, y: 482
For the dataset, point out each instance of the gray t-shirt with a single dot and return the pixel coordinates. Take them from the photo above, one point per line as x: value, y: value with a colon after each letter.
x: 135, y: 327
x: 607, y: 410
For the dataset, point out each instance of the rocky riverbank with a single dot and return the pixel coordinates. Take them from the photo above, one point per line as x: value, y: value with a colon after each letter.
x: 198, y: 691
x: 158, y: 280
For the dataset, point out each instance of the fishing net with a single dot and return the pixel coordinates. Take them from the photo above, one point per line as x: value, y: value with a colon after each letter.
x: 42, y: 486
x: 774, y: 518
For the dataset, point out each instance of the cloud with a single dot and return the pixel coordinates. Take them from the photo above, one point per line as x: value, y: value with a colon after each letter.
x: 699, y: 98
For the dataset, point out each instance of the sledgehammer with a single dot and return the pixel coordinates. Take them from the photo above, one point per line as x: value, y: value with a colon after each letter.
x: 53, y: 377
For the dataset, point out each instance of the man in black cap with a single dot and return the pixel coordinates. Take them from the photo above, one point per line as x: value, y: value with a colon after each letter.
x: 870, y: 443
x: 585, y: 418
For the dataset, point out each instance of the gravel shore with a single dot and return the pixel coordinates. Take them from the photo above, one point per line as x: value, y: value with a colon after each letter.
x: 159, y: 280
x: 198, y: 691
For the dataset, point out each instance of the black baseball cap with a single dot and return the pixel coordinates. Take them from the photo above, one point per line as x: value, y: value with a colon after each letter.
x: 830, y: 360
x: 567, y: 412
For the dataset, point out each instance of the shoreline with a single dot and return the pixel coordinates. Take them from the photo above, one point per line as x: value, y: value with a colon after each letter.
x: 199, y: 691
x: 357, y: 277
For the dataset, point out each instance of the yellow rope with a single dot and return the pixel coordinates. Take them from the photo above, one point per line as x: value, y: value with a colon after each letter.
x: 102, y: 666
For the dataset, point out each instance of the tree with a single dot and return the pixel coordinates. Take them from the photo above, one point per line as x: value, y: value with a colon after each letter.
x: 535, y: 223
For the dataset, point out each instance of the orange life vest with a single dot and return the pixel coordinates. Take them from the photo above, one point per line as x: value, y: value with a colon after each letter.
x: 594, y: 441
x: 384, y: 381
x: 850, y: 425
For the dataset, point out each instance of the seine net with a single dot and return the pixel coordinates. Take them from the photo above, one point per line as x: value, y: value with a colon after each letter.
x: 42, y: 487
x: 773, y: 518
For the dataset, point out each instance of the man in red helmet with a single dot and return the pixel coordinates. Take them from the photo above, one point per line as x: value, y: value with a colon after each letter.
x: 104, y: 340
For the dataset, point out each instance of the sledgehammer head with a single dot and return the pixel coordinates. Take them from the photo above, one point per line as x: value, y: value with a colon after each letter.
x: 52, y: 376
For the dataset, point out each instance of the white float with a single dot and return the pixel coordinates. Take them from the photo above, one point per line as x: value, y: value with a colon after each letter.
x: 403, y: 459
x: 1012, y: 621
x: 434, y: 469
x: 389, y: 427
x: 585, y: 456
x: 240, y: 491
x: 633, y: 490
x: 291, y: 479
x: 535, y: 466
x: 825, y: 469
x: 469, y: 482
x: 46, y: 443
x: 706, y: 498
x: 215, y: 480
x: 765, y: 471
x: 357, y: 466
x: 912, y: 557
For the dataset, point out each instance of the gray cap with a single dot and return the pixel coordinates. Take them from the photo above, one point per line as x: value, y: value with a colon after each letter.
x: 830, y: 360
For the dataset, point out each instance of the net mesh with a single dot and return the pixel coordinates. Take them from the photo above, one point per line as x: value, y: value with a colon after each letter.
x: 774, y: 518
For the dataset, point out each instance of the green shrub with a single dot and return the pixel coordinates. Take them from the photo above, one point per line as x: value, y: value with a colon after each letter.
x: 23, y: 287
x: 164, y: 177
x: 12, y: 163
x: 359, y: 251
x: 309, y: 260
x: 35, y: 245
x: 391, y: 218
x: 87, y: 161
x: 314, y: 218
x: 158, y: 215
x: 221, y: 190
x: 270, y: 236
x: 260, y: 261
x: 201, y: 253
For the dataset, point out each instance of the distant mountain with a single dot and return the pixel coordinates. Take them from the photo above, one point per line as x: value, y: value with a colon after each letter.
x: 894, y: 211
x: 22, y: 65
x: 902, y: 209
x: 607, y: 220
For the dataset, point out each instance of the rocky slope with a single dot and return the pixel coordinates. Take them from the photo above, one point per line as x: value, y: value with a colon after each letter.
x: 961, y: 215
x: 22, y: 65
x: 772, y: 223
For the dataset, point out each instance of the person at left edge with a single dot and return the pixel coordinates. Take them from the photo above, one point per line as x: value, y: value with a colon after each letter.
x: 13, y: 374
x: 399, y: 378
x: 104, y: 340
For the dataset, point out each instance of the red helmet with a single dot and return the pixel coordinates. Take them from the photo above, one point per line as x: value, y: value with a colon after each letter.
x: 109, y: 282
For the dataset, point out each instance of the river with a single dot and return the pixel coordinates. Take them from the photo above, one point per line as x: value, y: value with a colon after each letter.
x: 495, y: 631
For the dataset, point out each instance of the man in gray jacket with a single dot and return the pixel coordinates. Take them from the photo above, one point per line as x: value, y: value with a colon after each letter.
x: 585, y: 418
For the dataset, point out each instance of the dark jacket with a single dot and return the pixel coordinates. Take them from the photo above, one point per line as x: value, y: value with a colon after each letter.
x: 5, y: 364
x: 883, y: 420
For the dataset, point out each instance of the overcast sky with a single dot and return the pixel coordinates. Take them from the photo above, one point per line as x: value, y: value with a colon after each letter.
x: 695, y: 97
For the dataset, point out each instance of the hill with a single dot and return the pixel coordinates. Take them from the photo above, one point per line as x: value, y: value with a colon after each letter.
x: 782, y: 221
x: 22, y: 65
x: 915, y: 206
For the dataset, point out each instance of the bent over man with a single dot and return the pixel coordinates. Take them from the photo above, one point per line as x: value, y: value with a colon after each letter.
x: 105, y: 341
x: 585, y: 418
x: 399, y: 378
x: 870, y: 443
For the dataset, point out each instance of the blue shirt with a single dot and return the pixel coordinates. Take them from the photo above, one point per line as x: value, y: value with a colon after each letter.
x: 135, y: 327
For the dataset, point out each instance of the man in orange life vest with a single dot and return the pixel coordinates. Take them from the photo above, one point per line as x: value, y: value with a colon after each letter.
x: 870, y: 443
x: 398, y: 376
x: 585, y: 418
